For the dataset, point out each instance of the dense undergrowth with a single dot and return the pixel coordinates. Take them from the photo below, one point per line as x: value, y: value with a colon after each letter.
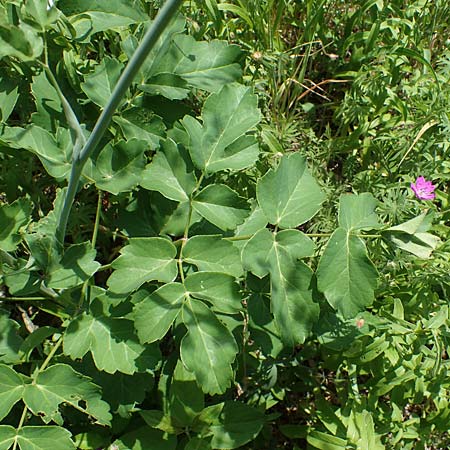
x: 245, y: 264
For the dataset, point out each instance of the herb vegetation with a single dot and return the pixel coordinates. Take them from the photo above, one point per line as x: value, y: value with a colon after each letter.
x: 209, y: 237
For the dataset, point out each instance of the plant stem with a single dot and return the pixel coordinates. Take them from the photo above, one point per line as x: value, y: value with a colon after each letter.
x: 79, y: 160
x: 97, y: 218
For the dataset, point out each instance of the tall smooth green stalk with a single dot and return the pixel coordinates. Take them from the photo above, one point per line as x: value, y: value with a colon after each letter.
x: 161, y: 21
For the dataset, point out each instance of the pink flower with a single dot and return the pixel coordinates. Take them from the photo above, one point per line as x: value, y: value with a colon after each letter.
x: 423, y: 189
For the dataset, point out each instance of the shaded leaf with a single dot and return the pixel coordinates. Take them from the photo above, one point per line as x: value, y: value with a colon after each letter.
x: 119, y: 167
x: 11, y: 389
x: 213, y: 254
x: 221, y: 206
x: 168, y: 85
x: 10, y: 341
x: 12, y: 218
x: 220, y: 289
x: 155, y: 313
x: 9, y: 93
x: 20, y: 42
x: 170, y: 173
x: 76, y: 266
x: 146, y: 438
x: 98, y: 85
x: 289, y: 195
x: 208, y: 349
x: 141, y: 124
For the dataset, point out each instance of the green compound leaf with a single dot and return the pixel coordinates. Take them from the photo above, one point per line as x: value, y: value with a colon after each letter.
x: 142, y: 124
x: 213, y: 254
x: 111, y: 340
x: 11, y: 389
x: 221, y: 206
x: 142, y: 260
x: 91, y: 16
x: 220, y: 289
x: 235, y: 425
x: 49, y: 112
x: 413, y: 237
x: 145, y: 438
x: 54, y: 152
x: 99, y: 85
x: 346, y: 275
x: 261, y: 253
x: 357, y: 212
x: 292, y: 304
x: 170, y: 173
x: 36, y: 438
x: 9, y: 94
x: 20, y: 42
x: 10, y: 341
x: 118, y: 168
x: 205, y: 65
x: 12, y: 218
x: 208, y: 349
x: 76, y: 266
x: 61, y: 384
x: 168, y: 85
x: 289, y: 195
x: 155, y: 313
x: 221, y: 142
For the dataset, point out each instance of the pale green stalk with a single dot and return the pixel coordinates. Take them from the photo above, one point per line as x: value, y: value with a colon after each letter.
x: 79, y: 159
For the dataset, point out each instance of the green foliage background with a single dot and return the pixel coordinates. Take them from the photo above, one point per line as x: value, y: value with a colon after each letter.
x: 245, y: 265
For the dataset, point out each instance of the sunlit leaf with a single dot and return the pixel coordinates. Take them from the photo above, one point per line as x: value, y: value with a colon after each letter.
x: 289, y: 195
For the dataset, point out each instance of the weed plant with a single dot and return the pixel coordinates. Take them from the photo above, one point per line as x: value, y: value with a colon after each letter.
x: 208, y: 235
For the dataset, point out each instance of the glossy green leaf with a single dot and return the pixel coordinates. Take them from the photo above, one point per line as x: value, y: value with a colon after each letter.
x: 143, y: 260
x: 10, y: 341
x: 221, y: 206
x: 221, y: 143
x: 292, y: 304
x: 198, y: 444
x: 36, y: 438
x: 213, y: 254
x: 208, y: 349
x: 99, y: 85
x: 119, y: 167
x: 8, y: 97
x: 12, y: 218
x: 11, y: 389
x: 76, y: 266
x: 170, y: 173
x: 346, y: 275
x: 361, y: 431
x: 146, y: 438
x: 61, y: 384
x: 155, y: 313
x: 111, y: 340
x: 141, y: 124
x: 357, y: 212
x: 220, y: 289
x: 289, y: 195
